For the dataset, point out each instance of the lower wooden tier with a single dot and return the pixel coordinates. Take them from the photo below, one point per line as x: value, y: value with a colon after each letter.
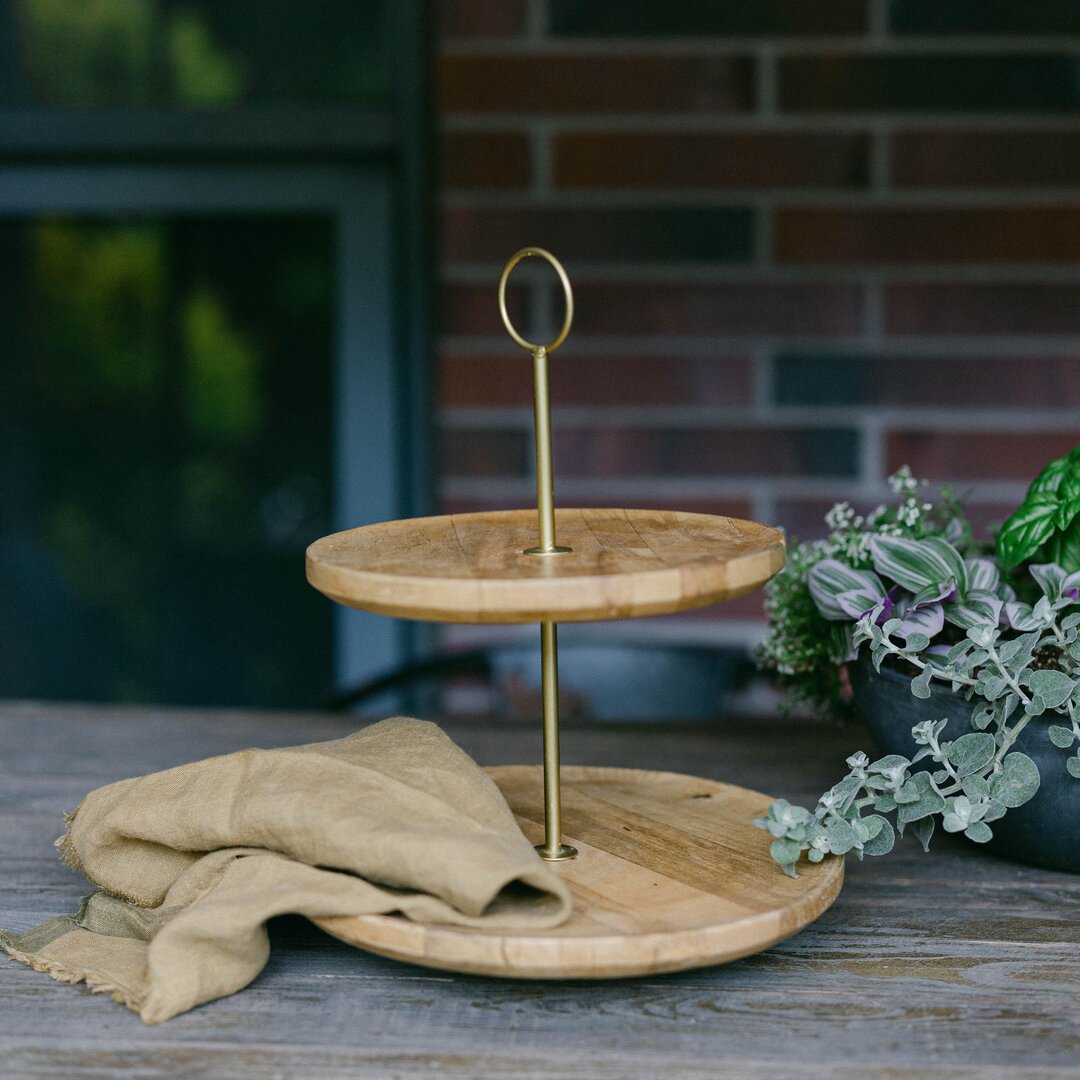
x: 672, y: 874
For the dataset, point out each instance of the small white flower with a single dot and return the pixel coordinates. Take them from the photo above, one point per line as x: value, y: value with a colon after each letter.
x: 902, y: 481
x: 840, y: 516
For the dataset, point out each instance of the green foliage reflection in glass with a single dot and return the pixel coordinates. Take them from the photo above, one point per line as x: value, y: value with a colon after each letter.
x: 201, y: 54
x: 101, y: 52
x: 181, y: 459
x: 101, y: 292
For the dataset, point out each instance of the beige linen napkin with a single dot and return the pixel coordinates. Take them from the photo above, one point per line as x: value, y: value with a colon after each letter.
x: 191, y: 862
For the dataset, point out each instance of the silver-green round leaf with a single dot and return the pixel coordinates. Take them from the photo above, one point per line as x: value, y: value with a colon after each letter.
x: 881, y: 843
x: 972, y: 752
x: 1061, y: 736
x: 1054, y: 687
x: 1017, y: 782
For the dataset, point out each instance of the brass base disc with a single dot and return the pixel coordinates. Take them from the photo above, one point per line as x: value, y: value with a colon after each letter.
x: 671, y: 874
x: 556, y: 550
x: 564, y: 852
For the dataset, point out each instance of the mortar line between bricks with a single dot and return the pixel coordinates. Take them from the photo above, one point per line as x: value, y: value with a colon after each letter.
x: 688, y: 274
x: 962, y: 343
x: 541, y: 302
x: 487, y: 347
x: 712, y: 46
x: 807, y: 198
x: 762, y: 234
x: 532, y: 45
x: 713, y: 123
x: 763, y: 504
x: 873, y: 310
x: 871, y: 455
x: 878, y: 20
x: 536, y: 21
x: 983, y: 492
x: 766, y: 79
x: 971, y: 419
x: 540, y: 157
x: 881, y: 161
x: 762, y: 377
x: 624, y: 487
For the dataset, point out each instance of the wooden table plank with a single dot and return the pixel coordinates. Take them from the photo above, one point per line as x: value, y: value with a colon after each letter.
x: 956, y: 964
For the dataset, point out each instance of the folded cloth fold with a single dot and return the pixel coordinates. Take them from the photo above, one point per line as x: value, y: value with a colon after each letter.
x: 192, y: 861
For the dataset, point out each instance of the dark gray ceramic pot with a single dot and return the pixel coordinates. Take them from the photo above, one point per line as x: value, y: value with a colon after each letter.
x: 1042, y: 832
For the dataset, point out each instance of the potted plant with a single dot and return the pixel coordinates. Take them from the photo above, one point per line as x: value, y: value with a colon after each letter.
x: 965, y: 664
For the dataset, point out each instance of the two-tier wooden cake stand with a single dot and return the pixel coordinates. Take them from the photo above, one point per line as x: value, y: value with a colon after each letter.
x: 667, y: 871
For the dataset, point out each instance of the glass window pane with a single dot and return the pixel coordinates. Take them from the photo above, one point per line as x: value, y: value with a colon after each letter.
x: 195, y: 54
x: 166, y: 444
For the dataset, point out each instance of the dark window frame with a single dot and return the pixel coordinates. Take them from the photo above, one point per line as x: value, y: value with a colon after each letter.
x: 372, y: 168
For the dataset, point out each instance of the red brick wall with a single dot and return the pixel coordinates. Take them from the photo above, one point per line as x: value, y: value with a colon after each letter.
x: 810, y: 240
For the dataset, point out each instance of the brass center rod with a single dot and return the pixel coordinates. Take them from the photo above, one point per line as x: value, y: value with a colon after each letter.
x: 550, y: 685
x: 552, y: 848
x: 545, y: 484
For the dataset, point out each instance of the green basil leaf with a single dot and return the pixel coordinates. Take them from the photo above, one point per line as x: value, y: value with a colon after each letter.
x: 1050, y: 479
x: 1066, y: 513
x: 1027, y: 530
x: 1064, y: 548
x: 1070, y: 482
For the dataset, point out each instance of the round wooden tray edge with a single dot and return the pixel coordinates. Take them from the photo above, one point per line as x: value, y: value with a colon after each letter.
x: 583, y: 597
x: 503, y: 953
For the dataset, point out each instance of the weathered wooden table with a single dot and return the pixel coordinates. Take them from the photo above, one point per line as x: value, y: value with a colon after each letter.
x: 954, y: 964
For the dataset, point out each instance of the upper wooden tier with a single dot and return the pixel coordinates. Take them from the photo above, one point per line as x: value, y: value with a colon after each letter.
x: 471, y: 568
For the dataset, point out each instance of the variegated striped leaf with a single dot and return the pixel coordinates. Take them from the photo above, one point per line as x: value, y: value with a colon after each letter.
x: 830, y: 578
x: 917, y: 564
x: 981, y: 608
x: 855, y: 603
x: 1050, y: 577
x: 982, y: 574
x: 934, y: 594
x: 1021, y: 617
x: 927, y: 620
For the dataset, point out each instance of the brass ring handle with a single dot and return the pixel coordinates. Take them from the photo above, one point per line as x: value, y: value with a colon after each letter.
x: 524, y: 253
